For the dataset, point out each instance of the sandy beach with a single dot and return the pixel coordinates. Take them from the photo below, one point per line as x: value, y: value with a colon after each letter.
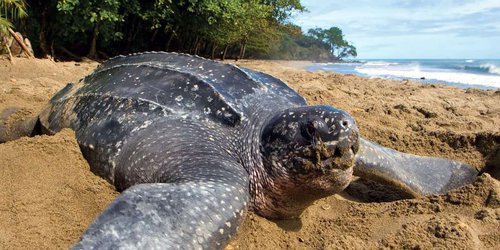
x: 49, y: 196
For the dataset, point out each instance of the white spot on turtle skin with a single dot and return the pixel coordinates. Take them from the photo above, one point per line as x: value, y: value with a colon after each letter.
x: 206, y: 110
x: 293, y: 125
x: 221, y: 231
x: 332, y: 129
x: 228, y: 224
x: 179, y: 98
x: 195, y: 88
x: 190, y: 104
x: 91, y: 146
x: 210, y: 99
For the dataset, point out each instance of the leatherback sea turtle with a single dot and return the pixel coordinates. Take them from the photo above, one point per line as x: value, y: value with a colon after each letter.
x: 194, y: 143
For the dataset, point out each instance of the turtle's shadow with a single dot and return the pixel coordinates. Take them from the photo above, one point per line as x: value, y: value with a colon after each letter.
x: 362, y: 190
x: 293, y: 225
x: 492, y: 165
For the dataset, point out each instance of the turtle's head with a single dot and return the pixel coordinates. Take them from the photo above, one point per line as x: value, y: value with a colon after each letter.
x: 309, y: 152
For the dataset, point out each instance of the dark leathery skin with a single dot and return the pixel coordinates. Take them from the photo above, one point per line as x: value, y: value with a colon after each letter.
x: 193, y: 143
x: 139, y: 120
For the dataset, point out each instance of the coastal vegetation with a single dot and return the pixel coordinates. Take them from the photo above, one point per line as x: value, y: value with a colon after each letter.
x: 10, y: 10
x: 210, y: 28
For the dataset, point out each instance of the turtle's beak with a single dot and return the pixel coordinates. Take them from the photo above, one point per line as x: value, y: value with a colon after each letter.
x: 339, y: 153
x: 330, y: 149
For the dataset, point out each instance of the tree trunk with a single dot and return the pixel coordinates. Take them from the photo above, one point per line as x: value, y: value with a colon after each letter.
x: 52, y: 51
x: 44, y: 46
x: 153, y: 37
x: 192, y: 50
x: 137, y: 30
x: 11, y: 58
x: 20, y: 41
x: 197, y: 48
x: 130, y: 34
x: 167, y: 46
x: 205, y: 48
x: 214, y: 48
x: 93, y: 45
x: 6, y: 44
x: 223, y: 57
x: 243, y: 48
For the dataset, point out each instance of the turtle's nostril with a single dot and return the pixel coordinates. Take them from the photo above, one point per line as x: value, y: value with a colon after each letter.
x: 344, y: 123
x: 309, y: 131
x: 337, y: 152
x: 355, y: 148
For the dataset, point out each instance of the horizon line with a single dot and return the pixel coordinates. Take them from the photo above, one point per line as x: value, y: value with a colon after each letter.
x: 401, y: 58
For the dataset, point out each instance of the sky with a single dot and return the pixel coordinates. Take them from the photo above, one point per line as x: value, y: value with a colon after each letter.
x: 413, y: 29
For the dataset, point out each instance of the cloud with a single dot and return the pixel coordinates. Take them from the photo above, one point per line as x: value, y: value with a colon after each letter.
x: 401, y: 18
x: 363, y: 20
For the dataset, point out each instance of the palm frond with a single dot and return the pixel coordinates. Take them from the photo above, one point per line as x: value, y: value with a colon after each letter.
x: 13, y: 9
x: 4, y: 22
x: 4, y: 25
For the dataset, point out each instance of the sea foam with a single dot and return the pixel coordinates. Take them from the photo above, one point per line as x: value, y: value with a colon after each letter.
x: 491, y: 68
x: 458, y: 72
x: 446, y: 76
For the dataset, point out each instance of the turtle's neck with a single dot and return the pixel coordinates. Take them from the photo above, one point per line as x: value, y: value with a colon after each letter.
x: 249, y: 145
x: 248, y: 137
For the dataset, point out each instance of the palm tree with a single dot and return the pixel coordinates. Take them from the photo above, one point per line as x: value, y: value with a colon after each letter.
x: 10, y: 10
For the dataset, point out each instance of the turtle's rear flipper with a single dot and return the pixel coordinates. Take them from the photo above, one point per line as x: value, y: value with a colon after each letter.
x: 12, y: 128
x: 416, y: 175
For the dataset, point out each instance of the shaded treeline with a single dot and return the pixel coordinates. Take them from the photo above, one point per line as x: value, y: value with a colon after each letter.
x: 210, y: 28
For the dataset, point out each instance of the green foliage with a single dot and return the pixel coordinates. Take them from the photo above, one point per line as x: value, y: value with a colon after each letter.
x: 255, y: 28
x: 11, y: 10
x: 284, y: 9
x: 79, y: 17
x: 333, y: 40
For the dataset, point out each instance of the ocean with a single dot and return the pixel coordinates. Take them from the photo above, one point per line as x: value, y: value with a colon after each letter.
x: 464, y: 73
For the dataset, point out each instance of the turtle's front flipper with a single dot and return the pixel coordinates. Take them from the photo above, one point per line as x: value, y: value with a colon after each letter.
x: 188, y: 214
x: 416, y: 175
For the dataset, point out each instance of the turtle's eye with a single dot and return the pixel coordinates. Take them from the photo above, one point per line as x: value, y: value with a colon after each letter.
x: 308, y: 130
